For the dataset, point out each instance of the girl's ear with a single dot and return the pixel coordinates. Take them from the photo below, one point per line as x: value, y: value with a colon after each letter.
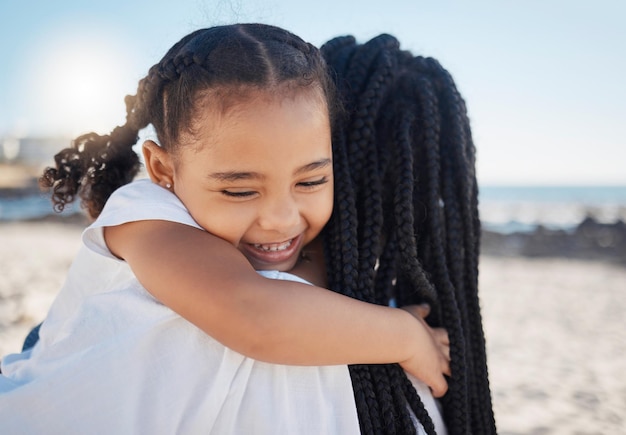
x: 158, y: 164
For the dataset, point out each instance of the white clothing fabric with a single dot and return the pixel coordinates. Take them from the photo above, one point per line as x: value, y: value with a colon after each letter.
x: 112, y: 359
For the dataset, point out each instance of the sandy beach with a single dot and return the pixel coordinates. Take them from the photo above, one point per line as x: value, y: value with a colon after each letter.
x: 555, y: 328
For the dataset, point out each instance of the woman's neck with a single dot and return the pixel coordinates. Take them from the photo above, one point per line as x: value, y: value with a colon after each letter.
x: 311, y: 265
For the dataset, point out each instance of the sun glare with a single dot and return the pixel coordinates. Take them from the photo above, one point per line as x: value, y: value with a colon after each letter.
x: 80, y: 85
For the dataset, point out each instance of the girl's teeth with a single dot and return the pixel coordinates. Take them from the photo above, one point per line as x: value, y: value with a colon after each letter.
x: 274, y: 246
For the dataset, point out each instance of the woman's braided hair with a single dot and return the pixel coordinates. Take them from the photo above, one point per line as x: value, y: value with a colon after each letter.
x: 405, y: 224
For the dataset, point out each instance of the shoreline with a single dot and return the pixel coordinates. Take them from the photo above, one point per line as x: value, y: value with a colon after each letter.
x: 589, y: 240
x: 589, y: 234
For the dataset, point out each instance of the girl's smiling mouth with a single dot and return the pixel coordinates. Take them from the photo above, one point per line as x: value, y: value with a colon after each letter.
x: 273, y: 247
x: 273, y: 255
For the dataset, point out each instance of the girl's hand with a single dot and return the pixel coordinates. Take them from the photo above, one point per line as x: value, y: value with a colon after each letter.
x: 431, y: 358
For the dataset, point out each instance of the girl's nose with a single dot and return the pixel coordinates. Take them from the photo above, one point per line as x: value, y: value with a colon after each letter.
x: 281, y: 215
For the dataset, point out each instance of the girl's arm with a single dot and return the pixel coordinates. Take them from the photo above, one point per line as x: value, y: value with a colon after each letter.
x: 211, y: 284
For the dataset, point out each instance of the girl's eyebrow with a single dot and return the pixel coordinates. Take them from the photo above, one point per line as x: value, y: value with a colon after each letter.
x: 234, y: 176
x: 230, y: 176
x: 319, y: 164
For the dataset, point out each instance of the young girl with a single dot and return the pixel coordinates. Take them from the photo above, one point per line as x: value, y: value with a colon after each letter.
x: 216, y: 100
x: 246, y: 152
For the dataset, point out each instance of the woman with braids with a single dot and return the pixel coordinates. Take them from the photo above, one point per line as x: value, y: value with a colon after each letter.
x: 405, y: 226
x: 242, y: 114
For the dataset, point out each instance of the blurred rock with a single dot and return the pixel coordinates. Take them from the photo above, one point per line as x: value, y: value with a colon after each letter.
x: 590, y: 240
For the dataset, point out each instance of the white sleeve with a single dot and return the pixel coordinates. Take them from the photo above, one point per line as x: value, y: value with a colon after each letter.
x: 137, y: 201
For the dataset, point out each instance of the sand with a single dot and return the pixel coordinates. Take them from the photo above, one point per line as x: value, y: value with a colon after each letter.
x: 556, y: 342
x: 34, y: 259
x: 555, y: 328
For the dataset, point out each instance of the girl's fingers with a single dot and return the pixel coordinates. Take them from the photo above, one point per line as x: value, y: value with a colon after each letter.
x: 445, y: 352
x: 439, y: 388
x: 446, y: 369
x: 420, y: 311
x: 441, y: 336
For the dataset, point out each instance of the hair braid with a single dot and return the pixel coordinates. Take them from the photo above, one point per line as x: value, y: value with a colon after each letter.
x: 402, y: 388
x: 363, y: 398
x: 413, y: 285
x: 366, y: 171
x: 464, y: 160
x: 456, y: 399
x: 382, y: 389
x: 341, y: 246
x: 448, y: 307
x: 405, y: 154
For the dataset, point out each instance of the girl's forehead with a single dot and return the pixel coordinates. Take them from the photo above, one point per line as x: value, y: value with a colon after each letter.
x: 231, y: 99
x: 218, y: 110
x: 259, y: 127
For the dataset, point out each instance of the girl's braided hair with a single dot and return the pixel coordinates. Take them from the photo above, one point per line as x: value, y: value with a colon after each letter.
x: 220, y: 64
x: 405, y: 224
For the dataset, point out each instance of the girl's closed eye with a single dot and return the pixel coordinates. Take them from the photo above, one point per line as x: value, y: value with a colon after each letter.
x: 313, y: 183
x: 238, y: 193
x: 246, y: 194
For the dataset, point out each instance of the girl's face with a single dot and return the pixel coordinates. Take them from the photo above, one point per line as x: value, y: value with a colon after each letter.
x: 261, y: 176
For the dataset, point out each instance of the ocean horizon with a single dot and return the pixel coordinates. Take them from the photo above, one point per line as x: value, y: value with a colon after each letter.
x: 523, y: 208
x: 504, y: 209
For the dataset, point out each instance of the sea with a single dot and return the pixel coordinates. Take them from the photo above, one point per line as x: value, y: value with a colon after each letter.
x: 509, y: 209
x: 504, y: 209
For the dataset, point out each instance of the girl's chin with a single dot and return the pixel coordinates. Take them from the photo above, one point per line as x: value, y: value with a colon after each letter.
x: 280, y: 267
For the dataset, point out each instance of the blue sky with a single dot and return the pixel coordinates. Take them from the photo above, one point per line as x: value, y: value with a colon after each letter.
x: 543, y: 80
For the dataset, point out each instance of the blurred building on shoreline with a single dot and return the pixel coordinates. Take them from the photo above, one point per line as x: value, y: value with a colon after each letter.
x: 32, y: 152
x: 21, y: 162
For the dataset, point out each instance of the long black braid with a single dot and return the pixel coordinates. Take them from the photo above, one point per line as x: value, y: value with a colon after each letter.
x: 405, y: 225
x: 405, y: 222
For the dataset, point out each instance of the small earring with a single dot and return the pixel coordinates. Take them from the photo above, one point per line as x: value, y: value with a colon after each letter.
x: 168, y: 186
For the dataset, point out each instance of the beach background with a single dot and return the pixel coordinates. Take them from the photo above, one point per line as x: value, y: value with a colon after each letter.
x: 544, y: 87
x: 552, y: 286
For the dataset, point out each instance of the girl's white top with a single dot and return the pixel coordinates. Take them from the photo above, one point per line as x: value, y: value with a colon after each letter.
x: 112, y: 359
